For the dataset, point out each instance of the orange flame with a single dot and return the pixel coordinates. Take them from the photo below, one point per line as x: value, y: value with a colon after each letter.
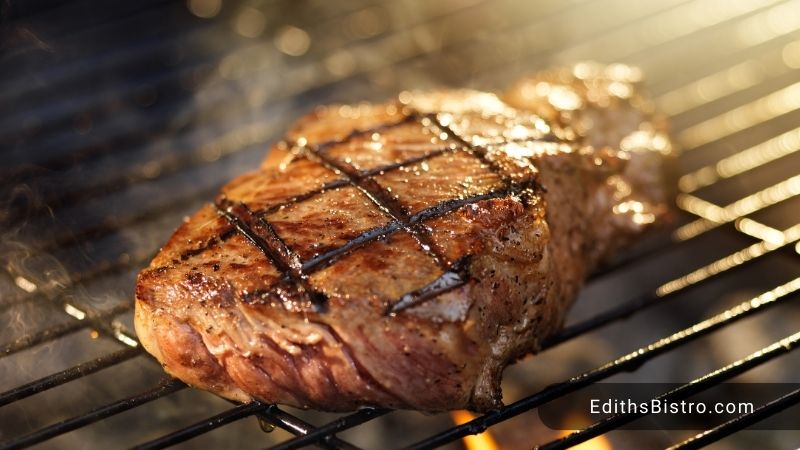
x: 483, y: 441
x: 599, y: 443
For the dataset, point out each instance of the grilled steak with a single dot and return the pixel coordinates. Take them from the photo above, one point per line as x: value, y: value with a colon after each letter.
x: 402, y: 254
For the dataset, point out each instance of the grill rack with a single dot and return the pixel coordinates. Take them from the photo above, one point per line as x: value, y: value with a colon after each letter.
x: 325, y: 435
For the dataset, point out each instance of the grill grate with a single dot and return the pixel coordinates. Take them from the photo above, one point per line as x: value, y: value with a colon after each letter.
x: 744, y: 97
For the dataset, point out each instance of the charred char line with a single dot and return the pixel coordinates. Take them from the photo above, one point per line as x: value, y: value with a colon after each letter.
x: 472, y: 149
x: 373, y: 234
x: 377, y: 194
x: 455, y: 273
x: 209, y: 244
x: 328, y: 258
x: 455, y: 277
x: 302, y: 197
x: 407, y: 118
x: 365, y: 174
x: 523, y: 190
x: 479, y: 152
x: 262, y: 235
x: 403, y: 164
x: 356, y: 175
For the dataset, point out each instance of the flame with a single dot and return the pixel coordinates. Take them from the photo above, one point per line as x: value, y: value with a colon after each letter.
x: 599, y: 443
x: 483, y: 441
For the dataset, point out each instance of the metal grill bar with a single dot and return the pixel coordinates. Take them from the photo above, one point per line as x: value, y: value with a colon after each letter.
x: 740, y: 423
x: 687, y: 390
x: 137, y: 53
x: 620, y: 47
x: 629, y: 259
x: 67, y: 375
x: 742, y: 162
x: 30, y: 340
x: 298, y: 426
x: 160, y: 167
x: 776, y: 104
x: 282, y: 94
x: 712, y: 216
x: 331, y: 428
x: 667, y: 9
x: 686, y: 98
x: 98, y: 151
x: 151, y: 50
x: 118, y: 223
x: 167, y: 387
x: 630, y: 361
x: 170, y: 167
x: 204, y: 426
x: 264, y: 237
x: 668, y: 290
x: 269, y: 413
x: 108, y: 267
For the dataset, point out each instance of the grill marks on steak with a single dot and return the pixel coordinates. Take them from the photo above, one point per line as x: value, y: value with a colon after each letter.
x: 377, y: 187
x: 396, y: 255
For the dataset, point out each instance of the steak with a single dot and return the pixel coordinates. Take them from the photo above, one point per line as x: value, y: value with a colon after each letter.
x: 402, y: 254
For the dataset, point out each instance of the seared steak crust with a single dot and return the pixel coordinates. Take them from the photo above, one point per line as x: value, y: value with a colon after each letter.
x: 396, y: 255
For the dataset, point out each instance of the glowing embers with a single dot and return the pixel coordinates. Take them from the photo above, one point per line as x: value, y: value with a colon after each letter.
x: 326, y: 221
x: 455, y: 175
x: 393, y: 145
x: 398, y: 261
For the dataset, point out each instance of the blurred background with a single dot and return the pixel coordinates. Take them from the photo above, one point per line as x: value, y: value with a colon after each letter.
x: 117, y: 119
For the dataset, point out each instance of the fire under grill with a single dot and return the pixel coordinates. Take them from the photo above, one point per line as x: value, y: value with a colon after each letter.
x: 118, y: 121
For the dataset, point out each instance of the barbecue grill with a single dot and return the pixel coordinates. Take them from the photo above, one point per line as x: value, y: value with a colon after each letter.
x: 118, y: 120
